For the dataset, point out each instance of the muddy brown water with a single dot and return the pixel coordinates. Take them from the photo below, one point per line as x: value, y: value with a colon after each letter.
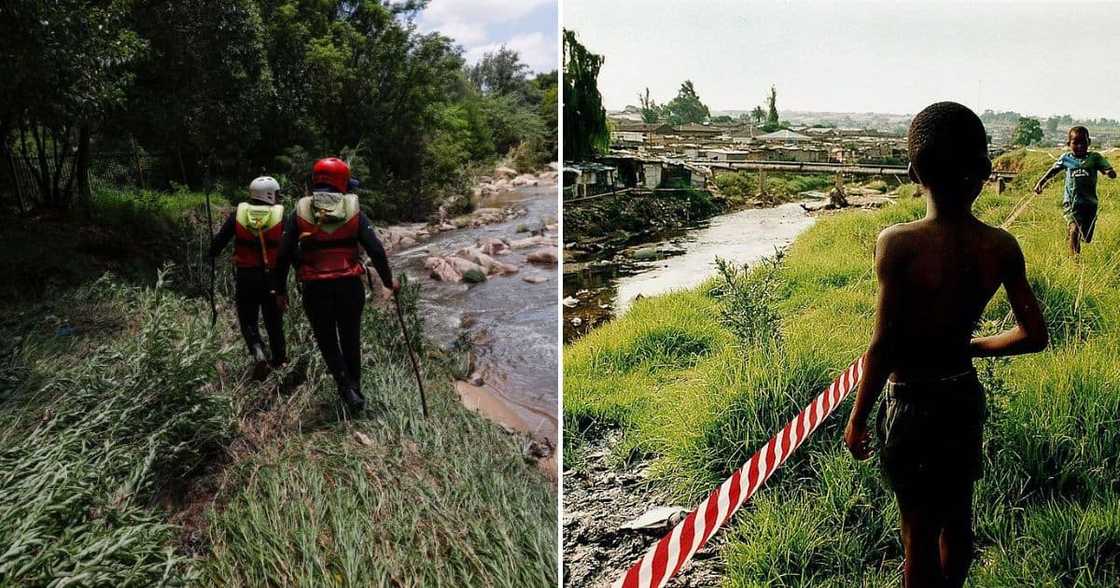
x: 605, y: 286
x: 511, y: 323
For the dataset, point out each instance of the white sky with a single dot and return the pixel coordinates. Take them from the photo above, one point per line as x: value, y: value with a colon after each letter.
x: 892, y: 57
x: 481, y: 26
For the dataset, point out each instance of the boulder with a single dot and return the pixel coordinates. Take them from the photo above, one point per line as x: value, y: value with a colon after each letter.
x: 505, y: 172
x: 529, y: 242
x: 534, y: 279
x: 488, y: 264
x: 543, y: 256
x: 464, y: 265
x: 442, y: 270
x: 524, y: 180
x: 493, y: 246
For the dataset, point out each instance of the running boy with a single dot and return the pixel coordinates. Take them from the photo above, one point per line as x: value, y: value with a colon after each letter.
x: 1080, y: 200
x: 935, y: 277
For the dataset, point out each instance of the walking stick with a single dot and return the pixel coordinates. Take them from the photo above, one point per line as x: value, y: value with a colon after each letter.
x: 411, y: 355
x: 210, y: 227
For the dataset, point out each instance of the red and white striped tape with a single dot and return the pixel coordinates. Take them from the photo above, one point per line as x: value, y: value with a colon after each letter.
x: 666, y: 558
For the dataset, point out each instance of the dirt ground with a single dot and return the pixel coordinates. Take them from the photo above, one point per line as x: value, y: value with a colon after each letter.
x: 598, y: 501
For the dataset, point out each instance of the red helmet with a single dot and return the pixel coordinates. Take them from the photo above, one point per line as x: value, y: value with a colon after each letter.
x: 331, y: 171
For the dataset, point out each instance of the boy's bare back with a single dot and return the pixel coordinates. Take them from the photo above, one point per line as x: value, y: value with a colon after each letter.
x: 936, y: 276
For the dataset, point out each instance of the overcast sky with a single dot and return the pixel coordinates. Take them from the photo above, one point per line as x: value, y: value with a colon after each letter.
x: 896, y: 57
x: 481, y: 26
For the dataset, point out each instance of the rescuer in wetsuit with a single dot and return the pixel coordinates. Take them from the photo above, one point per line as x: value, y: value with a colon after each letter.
x: 323, y: 238
x: 256, y: 227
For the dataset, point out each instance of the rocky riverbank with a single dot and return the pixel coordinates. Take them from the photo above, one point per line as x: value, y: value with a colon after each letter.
x: 611, y: 518
x: 489, y: 283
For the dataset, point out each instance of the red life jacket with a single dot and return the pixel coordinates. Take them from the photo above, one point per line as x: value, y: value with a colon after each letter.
x: 328, y: 251
x: 251, y: 221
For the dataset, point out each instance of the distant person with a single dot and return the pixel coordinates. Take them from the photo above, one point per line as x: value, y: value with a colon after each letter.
x: 935, y: 277
x: 1080, y: 200
x: 322, y: 238
x: 256, y: 227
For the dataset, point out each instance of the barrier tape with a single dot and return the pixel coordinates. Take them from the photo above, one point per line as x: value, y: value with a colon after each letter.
x: 667, y: 557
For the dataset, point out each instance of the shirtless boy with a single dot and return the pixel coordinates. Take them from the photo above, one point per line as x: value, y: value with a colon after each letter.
x: 935, y: 277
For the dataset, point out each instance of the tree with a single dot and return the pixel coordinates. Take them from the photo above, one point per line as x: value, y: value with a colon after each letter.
x: 66, y: 66
x: 1027, y: 132
x: 686, y: 107
x: 772, y: 122
x: 585, y: 120
x: 500, y: 72
x: 758, y: 115
x: 204, y: 86
x: 651, y: 112
x: 1052, y: 124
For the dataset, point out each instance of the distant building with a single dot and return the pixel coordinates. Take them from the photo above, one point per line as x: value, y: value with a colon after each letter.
x: 724, y: 155
x: 784, y: 136
x: 587, y: 179
x: 697, y: 130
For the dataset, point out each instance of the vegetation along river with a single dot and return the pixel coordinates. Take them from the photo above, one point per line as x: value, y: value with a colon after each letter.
x: 604, y: 286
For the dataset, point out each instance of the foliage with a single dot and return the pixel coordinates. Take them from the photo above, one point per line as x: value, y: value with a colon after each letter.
x: 742, y: 186
x: 221, y: 91
x: 772, y: 122
x: 651, y: 112
x: 1027, y: 132
x: 585, y: 120
x: 1047, y: 509
x: 65, y: 66
x: 686, y: 107
x: 499, y: 72
x: 758, y: 115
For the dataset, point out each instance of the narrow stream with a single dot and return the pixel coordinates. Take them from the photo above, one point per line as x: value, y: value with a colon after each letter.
x: 511, y: 322
x: 684, y: 258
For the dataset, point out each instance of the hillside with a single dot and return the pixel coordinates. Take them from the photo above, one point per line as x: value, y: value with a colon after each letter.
x: 693, y: 382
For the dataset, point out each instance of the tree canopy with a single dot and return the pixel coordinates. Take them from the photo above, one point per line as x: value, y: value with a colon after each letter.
x: 229, y: 90
x: 686, y: 107
x: 1027, y: 132
x: 585, y: 120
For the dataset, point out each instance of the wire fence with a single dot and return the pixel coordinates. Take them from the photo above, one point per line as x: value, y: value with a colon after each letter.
x: 24, y: 177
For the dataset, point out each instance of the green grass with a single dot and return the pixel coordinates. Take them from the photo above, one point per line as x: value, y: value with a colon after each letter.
x: 1048, y: 510
x: 134, y: 451
x: 742, y: 186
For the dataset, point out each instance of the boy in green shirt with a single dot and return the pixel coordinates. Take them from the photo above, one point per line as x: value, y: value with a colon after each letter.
x: 1080, y: 200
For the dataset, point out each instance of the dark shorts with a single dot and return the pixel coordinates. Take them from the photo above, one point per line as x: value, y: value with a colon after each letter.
x: 1084, y: 216
x: 930, y: 434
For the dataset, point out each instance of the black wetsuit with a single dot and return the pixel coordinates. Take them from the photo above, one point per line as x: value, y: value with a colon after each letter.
x: 334, y: 307
x: 253, y: 299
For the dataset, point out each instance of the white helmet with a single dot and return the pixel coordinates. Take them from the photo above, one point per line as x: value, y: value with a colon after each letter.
x: 264, y: 189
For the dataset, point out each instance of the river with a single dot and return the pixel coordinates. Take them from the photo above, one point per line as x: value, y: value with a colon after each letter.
x: 511, y: 323
x: 685, y: 257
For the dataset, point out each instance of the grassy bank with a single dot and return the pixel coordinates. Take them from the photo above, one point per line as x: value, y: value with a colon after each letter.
x: 134, y: 450
x: 699, y: 379
x: 621, y: 217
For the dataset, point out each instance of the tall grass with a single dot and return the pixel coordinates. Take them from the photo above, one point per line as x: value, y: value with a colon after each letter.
x: 135, y: 451
x: 84, y: 453
x: 1046, y: 510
